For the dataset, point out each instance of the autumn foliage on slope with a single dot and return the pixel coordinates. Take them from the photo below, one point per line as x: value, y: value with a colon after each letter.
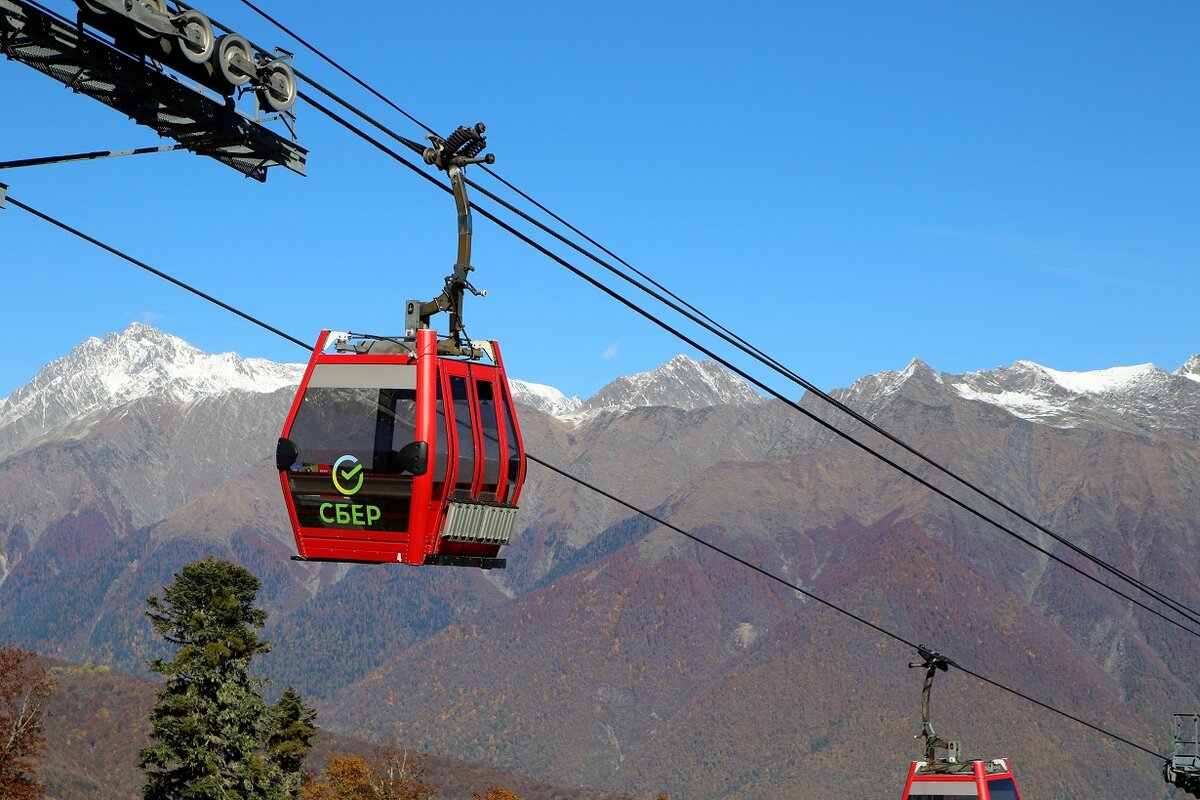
x: 25, y: 689
x: 396, y: 775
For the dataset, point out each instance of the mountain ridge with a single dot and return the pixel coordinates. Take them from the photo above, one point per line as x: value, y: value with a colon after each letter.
x: 67, y: 396
x: 614, y: 652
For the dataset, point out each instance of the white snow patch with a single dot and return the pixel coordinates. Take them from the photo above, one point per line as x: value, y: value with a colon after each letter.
x: 1026, y: 406
x: 1098, y: 381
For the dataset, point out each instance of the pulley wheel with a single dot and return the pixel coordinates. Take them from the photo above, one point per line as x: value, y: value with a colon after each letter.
x: 159, y: 6
x: 95, y: 8
x: 277, y: 86
x: 235, y: 59
x: 196, y: 41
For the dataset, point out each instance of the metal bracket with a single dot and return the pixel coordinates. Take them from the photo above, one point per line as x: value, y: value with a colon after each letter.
x: 3, y: 193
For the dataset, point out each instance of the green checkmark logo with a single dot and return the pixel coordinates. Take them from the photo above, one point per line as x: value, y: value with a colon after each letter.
x: 347, y: 475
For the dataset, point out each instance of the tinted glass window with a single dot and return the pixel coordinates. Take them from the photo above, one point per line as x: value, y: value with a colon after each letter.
x: 348, y: 442
x: 370, y: 424
x: 441, y: 447
x: 491, y: 438
x: 463, y: 433
x: 514, y: 453
x: 1002, y: 789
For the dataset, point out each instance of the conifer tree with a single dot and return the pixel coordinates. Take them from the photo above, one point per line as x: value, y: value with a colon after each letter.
x: 212, y: 735
x: 289, y: 736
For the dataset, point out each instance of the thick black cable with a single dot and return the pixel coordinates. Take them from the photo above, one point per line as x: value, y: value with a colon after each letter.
x: 92, y: 155
x: 64, y: 226
x: 715, y: 548
x: 695, y: 315
x: 689, y: 311
x: 334, y: 64
x: 745, y: 375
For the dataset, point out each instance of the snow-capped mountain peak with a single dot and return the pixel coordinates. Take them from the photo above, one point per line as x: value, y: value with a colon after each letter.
x: 1127, y: 398
x: 682, y: 383
x: 1141, y: 397
x: 1190, y: 369
x: 101, y: 375
x: 544, y: 398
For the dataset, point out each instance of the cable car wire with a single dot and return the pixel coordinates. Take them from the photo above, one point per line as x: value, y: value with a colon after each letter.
x: 159, y: 273
x: 745, y: 375
x: 695, y: 315
x: 614, y: 498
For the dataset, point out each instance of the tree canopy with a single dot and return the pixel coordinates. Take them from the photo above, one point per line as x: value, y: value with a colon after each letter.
x: 212, y: 734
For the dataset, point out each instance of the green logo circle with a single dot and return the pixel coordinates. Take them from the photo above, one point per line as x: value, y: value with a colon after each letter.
x: 347, y: 479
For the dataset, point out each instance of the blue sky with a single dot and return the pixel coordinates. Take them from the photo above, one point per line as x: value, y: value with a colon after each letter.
x: 848, y: 185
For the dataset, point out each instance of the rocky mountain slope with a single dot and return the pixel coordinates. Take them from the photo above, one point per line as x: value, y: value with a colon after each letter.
x: 615, y: 654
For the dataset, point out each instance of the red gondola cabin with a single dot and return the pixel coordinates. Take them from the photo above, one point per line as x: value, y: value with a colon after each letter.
x: 409, y: 456
x: 985, y: 780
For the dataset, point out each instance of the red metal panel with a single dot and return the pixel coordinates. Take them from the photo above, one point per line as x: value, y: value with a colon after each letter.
x: 363, y: 358
x: 422, y: 537
x: 912, y: 770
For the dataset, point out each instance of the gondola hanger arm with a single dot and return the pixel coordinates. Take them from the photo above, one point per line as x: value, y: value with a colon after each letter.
x: 452, y: 155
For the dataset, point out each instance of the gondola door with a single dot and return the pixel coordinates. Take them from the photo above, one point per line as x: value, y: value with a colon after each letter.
x: 477, y: 517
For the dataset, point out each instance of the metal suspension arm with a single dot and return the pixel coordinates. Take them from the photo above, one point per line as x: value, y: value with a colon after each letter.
x: 452, y: 155
x: 932, y: 662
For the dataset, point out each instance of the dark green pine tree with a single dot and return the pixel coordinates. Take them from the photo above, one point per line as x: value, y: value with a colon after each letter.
x: 210, y: 728
x: 289, y: 737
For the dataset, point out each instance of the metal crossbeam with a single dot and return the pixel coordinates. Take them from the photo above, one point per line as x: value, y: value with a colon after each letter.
x: 85, y: 64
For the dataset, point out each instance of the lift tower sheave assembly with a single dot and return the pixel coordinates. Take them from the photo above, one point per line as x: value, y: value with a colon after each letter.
x: 139, y: 88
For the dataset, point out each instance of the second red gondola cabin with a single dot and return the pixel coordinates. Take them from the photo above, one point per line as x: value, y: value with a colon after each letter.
x: 984, y: 780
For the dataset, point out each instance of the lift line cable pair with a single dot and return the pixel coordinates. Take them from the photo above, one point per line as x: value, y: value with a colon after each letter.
x: 608, y: 495
x: 743, y: 374
x: 695, y: 315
